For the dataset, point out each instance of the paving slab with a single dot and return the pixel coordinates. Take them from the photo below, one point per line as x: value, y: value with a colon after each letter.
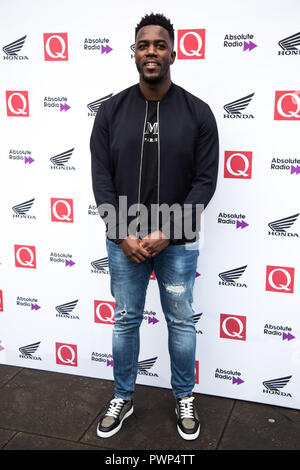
x: 255, y: 426
x: 24, y: 441
x: 7, y: 372
x: 50, y: 403
x: 5, y: 436
x: 153, y: 423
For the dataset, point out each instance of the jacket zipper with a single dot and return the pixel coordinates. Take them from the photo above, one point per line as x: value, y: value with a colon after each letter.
x: 141, y: 164
x: 158, y: 166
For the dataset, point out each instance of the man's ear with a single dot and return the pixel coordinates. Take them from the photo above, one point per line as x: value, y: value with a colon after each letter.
x: 173, y: 56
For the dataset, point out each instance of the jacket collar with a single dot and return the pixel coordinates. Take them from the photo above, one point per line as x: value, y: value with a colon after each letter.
x: 164, y: 98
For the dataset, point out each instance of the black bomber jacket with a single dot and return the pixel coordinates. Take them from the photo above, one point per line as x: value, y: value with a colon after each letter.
x: 188, y: 154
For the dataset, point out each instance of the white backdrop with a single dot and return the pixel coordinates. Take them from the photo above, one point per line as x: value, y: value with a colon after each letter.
x: 59, y: 58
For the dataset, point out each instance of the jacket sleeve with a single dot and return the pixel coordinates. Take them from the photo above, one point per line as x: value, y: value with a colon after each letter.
x: 206, y: 162
x: 103, y: 175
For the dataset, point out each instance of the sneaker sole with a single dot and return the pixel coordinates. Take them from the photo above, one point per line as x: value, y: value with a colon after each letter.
x: 115, y: 430
x: 187, y: 437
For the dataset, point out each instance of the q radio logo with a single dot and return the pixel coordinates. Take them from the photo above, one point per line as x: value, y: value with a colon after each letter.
x: 280, y: 279
x: 233, y: 327
x: 56, y: 46
x: 238, y: 165
x: 104, y: 312
x: 25, y: 256
x: 66, y: 354
x: 62, y: 210
x: 287, y: 105
x: 17, y: 103
x: 191, y: 44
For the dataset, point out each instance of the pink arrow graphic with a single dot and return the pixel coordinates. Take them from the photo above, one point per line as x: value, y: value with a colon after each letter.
x: 241, y: 224
x: 35, y: 307
x: 29, y: 160
x: 249, y: 45
x: 152, y: 320
x: 237, y: 381
x: 295, y: 169
x: 106, y: 49
x: 69, y: 262
x: 64, y: 107
x: 287, y: 336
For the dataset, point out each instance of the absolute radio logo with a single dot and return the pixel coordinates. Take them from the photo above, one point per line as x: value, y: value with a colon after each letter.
x: 103, y: 358
x: 56, y: 46
x: 279, y: 227
x: 229, y: 374
x: 56, y: 103
x: 64, y: 259
x: 25, y: 256
x: 290, y: 45
x: 104, y: 312
x: 280, y: 279
x: 238, y: 164
x: 66, y: 354
x: 97, y: 44
x: 287, y: 105
x: 92, y: 210
x: 191, y: 44
x: 12, y: 50
x: 233, y: 218
x: 62, y: 210
x: 279, y: 331
x: 22, y: 155
x: 235, y: 109
x: 1, y: 301
x: 233, y: 327
x: 17, y: 103
x: 240, y: 41
x: 150, y: 317
x: 31, y: 302
x: 290, y: 166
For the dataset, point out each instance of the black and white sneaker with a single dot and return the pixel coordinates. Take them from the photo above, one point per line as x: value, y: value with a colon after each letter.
x: 112, y: 419
x: 188, y: 424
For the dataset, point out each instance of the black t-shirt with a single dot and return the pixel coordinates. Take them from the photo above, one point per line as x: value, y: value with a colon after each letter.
x: 149, y: 177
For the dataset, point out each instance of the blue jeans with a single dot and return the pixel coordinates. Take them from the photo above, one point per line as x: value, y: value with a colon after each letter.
x: 175, y: 270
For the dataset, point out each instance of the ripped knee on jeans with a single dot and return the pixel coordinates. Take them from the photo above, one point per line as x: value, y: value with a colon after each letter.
x: 178, y: 289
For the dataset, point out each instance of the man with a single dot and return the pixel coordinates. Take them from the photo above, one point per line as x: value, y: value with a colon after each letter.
x: 155, y: 145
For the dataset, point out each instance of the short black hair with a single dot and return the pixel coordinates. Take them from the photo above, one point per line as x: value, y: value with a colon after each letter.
x: 156, y: 19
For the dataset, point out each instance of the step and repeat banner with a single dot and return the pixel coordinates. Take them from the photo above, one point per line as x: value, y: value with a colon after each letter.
x: 60, y: 60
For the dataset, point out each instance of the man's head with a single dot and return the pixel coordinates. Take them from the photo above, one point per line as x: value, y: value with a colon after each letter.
x: 154, y: 36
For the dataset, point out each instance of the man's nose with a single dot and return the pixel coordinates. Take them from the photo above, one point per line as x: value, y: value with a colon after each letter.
x: 151, y: 50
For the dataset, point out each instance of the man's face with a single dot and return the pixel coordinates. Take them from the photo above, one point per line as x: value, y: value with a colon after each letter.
x: 153, y: 53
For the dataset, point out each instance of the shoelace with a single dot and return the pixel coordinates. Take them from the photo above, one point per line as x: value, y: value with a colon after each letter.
x: 115, y: 407
x: 186, y: 408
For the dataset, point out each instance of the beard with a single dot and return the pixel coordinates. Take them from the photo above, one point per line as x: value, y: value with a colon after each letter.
x: 153, y: 78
